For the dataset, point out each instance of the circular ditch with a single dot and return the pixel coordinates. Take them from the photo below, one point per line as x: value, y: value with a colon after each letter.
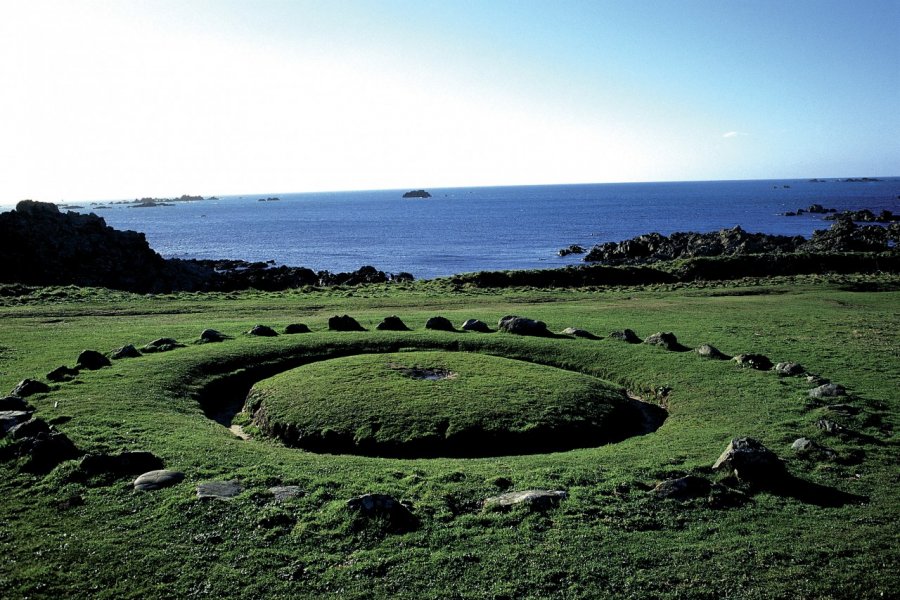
x: 433, y: 403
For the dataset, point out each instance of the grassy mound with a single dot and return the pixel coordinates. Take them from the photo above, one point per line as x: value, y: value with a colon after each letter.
x: 439, y: 404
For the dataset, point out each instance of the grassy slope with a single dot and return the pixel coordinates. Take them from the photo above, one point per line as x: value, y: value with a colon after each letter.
x: 606, y: 539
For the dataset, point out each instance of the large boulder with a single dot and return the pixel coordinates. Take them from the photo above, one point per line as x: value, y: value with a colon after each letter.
x: 154, y: 480
x: 29, y: 387
x: 392, y: 323
x: 625, y: 335
x: 665, y: 340
x: 295, y: 328
x: 789, y: 369
x: 92, y: 360
x: 475, y: 325
x: 126, y: 351
x: 711, y: 352
x: 750, y: 461
x: 827, y: 390
x: 28, y: 429
x: 753, y: 361
x: 212, y: 335
x: 262, y: 331
x: 344, y: 323
x: 534, y: 499
x: 46, y: 450
x: 439, y: 324
x: 523, y: 326
x: 11, y: 418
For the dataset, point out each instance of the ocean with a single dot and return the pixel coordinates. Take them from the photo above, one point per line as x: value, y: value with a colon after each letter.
x: 472, y: 229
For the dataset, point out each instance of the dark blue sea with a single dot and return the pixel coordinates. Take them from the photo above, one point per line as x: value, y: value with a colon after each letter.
x: 472, y: 229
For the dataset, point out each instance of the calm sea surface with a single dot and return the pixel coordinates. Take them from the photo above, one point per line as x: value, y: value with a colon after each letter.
x: 471, y: 229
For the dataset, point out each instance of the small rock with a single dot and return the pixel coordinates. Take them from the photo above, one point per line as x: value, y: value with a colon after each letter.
x: 626, y: 335
x: 830, y: 427
x: 827, y: 390
x: 11, y: 418
x: 809, y: 448
x: 29, y: 387
x: 155, y: 480
x: 816, y: 380
x: 222, y: 490
x: 665, y: 340
x: 573, y: 249
x: 683, y: 488
x: 284, y: 492
x: 579, y: 333
x: 295, y: 328
x: 212, y: 335
x: 61, y: 374
x: 749, y: 460
x: 534, y: 499
x: 475, y: 325
x: 789, y: 369
x: 383, y: 506
x: 124, y: 463
x: 14, y: 403
x: 523, y: 326
x: 753, y: 361
x: 709, y: 351
x: 46, y: 450
x: 92, y: 360
x: 439, y: 324
x: 392, y: 323
x: 344, y: 323
x: 126, y: 351
x: 29, y: 428
x: 162, y: 345
x: 262, y: 331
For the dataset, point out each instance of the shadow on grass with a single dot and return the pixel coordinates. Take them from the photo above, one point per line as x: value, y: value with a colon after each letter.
x: 813, y: 493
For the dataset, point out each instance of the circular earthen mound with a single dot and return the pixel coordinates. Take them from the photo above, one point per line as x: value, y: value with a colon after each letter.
x: 425, y: 404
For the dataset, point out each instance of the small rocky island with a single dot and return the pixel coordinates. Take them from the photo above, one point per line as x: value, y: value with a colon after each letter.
x: 417, y: 194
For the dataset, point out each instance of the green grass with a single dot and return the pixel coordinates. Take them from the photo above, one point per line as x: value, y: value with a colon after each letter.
x: 610, y: 538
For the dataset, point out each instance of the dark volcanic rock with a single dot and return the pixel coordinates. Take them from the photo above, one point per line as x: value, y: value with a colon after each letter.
x: 753, y: 361
x: 475, y: 325
x: 626, y: 335
x: 523, y: 326
x: 709, y: 351
x: 29, y: 387
x: 344, y: 323
x: 417, y: 194
x: 573, y: 249
x: 92, y: 360
x: 126, y: 351
x: 750, y: 461
x: 263, y: 331
x: 14, y: 403
x: 439, y: 324
x: 295, y: 328
x: 392, y: 323
x: 62, y: 373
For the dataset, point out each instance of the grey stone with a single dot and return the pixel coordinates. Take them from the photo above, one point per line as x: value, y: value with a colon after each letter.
x: 61, y: 374
x: 753, y: 361
x: 439, y: 324
x: 665, y: 340
x: 523, y: 326
x: 11, y: 418
x: 222, y: 490
x: 709, y: 351
x: 212, y: 335
x: 155, y: 480
x: 162, y: 345
x: 475, y: 325
x: 263, y: 331
x: 579, y: 333
x: 534, y: 499
x: 683, y: 488
x: 827, y: 390
x: 392, y: 323
x: 816, y: 379
x: 749, y: 460
x: 284, y: 492
x: 295, y: 328
x: 811, y: 449
x: 789, y: 369
x: 30, y: 387
x: 92, y: 360
x: 626, y: 335
x: 29, y: 428
x: 830, y: 427
x: 126, y: 351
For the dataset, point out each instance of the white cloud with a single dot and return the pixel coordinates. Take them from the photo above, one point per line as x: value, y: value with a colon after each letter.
x: 734, y: 134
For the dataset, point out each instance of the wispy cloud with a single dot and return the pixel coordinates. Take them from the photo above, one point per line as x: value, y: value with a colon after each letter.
x: 734, y: 134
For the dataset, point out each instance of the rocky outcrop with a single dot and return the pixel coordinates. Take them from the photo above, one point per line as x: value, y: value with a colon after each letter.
x: 750, y: 461
x: 417, y: 194
x: 573, y: 249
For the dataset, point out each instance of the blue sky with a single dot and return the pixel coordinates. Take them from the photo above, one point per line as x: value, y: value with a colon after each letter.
x: 126, y: 99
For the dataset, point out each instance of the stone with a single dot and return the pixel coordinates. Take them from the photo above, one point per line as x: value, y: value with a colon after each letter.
x: 827, y: 390
x: 162, y: 345
x: 46, y: 450
x: 262, y: 331
x: 579, y: 333
x: 439, y: 324
x: 92, y: 360
x: 61, y: 374
x: 29, y: 428
x: 154, y: 480
x: 11, y: 418
x: 750, y: 461
x: 789, y: 369
x: 665, y: 340
x: 523, y: 326
x: 533, y: 499
x: 475, y: 325
x: 753, y: 361
x: 392, y: 323
x: 124, y: 463
x: 573, y: 249
x: 295, y: 328
x: 14, y: 403
x: 817, y: 380
x: 383, y: 506
x: 811, y: 449
x: 711, y: 352
x: 29, y: 387
x: 285, y: 492
x: 344, y: 323
x: 212, y: 336
x: 417, y: 194
x: 221, y: 490
x: 683, y: 488
x: 126, y: 351
x: 831, y: 427
x: 626, y: 335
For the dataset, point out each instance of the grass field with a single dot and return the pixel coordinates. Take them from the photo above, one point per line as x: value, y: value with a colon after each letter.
x: 835, y: 536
